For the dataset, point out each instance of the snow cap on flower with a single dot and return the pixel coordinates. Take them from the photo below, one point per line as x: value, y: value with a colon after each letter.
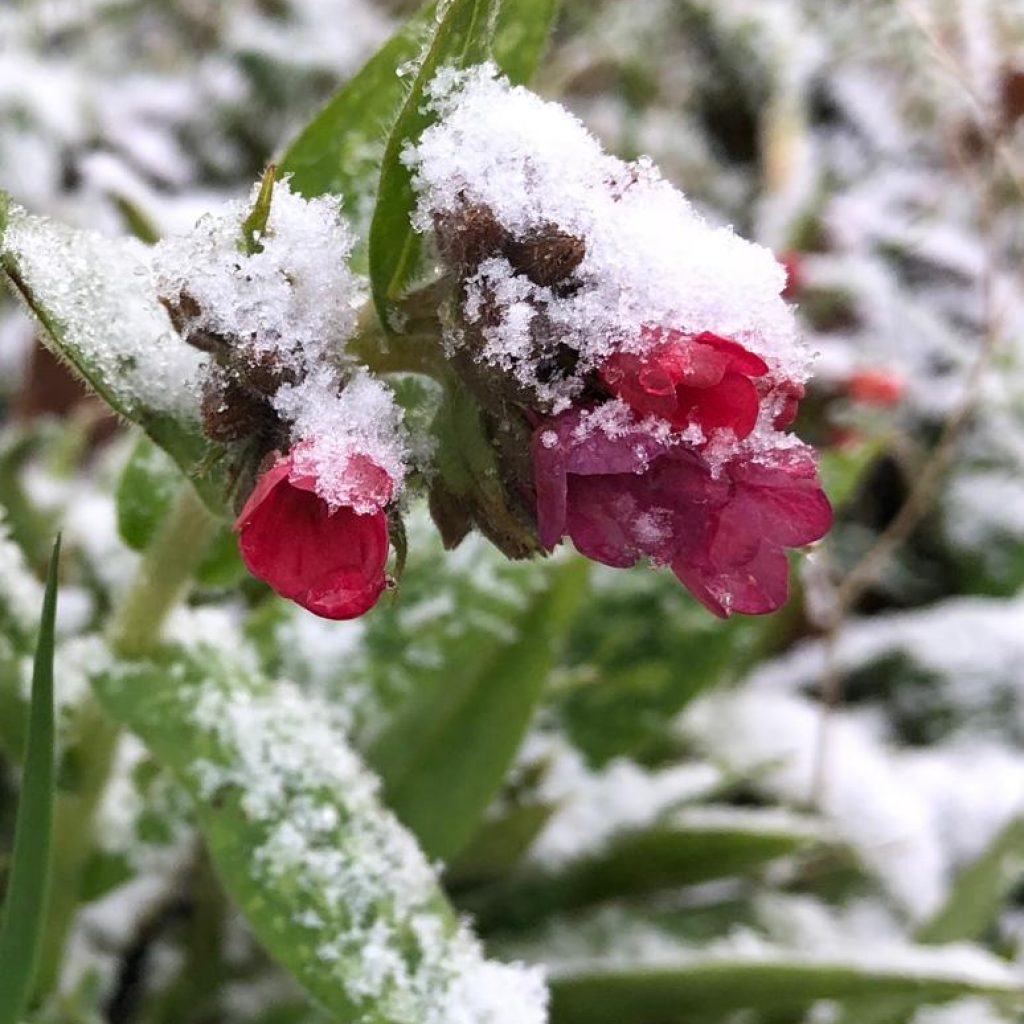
x: 275, y: 313
x: 294, y: 299
x: 578, y: 255
x: 654, y: 355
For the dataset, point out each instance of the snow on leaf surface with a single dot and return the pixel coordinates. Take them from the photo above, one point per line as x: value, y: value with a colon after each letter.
x: 331, y: 882
x: 93, y: 295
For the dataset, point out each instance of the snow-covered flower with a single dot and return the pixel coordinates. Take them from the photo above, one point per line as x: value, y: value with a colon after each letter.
x: 330, y: 560
x: 652, y: 355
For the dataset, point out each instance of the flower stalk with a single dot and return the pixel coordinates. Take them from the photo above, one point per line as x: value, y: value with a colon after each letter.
x: 161, y: 582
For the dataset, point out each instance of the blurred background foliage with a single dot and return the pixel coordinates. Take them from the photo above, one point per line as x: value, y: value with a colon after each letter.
x: 811, y: 817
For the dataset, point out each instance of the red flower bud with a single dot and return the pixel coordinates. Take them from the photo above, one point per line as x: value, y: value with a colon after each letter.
x: 875, y: 387
x: 792, y: 263
x: 328, y: 560
x: 704, y: 380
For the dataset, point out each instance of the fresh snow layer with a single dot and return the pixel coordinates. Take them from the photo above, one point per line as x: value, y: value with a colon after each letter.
x: 294, y: 304
x: 362, y: 891
x: 95, y: 293
x: 650, y: 259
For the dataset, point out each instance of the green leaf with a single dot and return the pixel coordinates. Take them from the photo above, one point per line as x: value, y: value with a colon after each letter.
x: 521, y: 36
x: 24, y: 911
x: 844, y: 469
x: 980, y: 890
x: 645, y: 650
x: 499, y: 845
x: 340, y: 150
x: 147, y: 488
x: 462, y: 37
x: 255, y: 224
x: 689, y: 848
x: 93, y: 298
x: 146, y: 491
x: 701, y: 985
x: 446, y: 754
x: 297, y: 834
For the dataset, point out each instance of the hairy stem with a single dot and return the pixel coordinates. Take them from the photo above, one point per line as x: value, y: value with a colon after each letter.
x: 418, y: 349
x: 135, y: 629
x: 163, y: 577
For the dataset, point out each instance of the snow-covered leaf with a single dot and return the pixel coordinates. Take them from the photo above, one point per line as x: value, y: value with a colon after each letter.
x: 332, y: 884
x: 690, y: 847
x: 444, y: 757
x: 467, y: 33
x: 704, y: 984
x: 99, y: 312
x: 461, y: 38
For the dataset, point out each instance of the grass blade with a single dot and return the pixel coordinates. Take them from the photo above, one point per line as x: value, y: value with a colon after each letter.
x: 21, y: 925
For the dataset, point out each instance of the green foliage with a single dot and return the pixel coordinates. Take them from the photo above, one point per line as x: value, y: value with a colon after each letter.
x: 980, y: 890
x: 668, y: 856
x: 254, y: 799
x: 645, y: 650
x: 444, y: 757
x: 146, y: 491
x: 340, y: 150
x: 24, y: 909
x: 466, y: 33
x: 695, y: 989
x: 461, y: 38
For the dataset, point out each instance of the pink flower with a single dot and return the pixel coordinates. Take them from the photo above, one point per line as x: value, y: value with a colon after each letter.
x: 634, y: 495
x: 328, y: 560
x: 704, y: 380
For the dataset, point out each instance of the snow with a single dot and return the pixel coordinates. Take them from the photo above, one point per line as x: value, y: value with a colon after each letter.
x: 643, y: 255
x: 21, y: 595
x: 96, y: 292
x: 593, y: 807
x: 914, y: 816
x: 614, y: 940
x: 377, y: 924
x: 289, y: 307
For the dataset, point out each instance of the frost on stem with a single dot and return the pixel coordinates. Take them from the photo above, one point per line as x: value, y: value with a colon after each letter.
x: 319, y: 443
x: 651, y: 355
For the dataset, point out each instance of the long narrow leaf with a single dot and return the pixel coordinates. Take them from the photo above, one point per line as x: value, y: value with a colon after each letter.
x: 24, y: 910
x: 703, y: 986
x: 340, y: 150
x: 462, y: 38
x: 683, y: 851
x: 444, y: 759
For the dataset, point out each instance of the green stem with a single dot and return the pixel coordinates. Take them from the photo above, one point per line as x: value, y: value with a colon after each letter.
x: 161, y: 581
x: 163, y: 577
x: 418, y: 349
